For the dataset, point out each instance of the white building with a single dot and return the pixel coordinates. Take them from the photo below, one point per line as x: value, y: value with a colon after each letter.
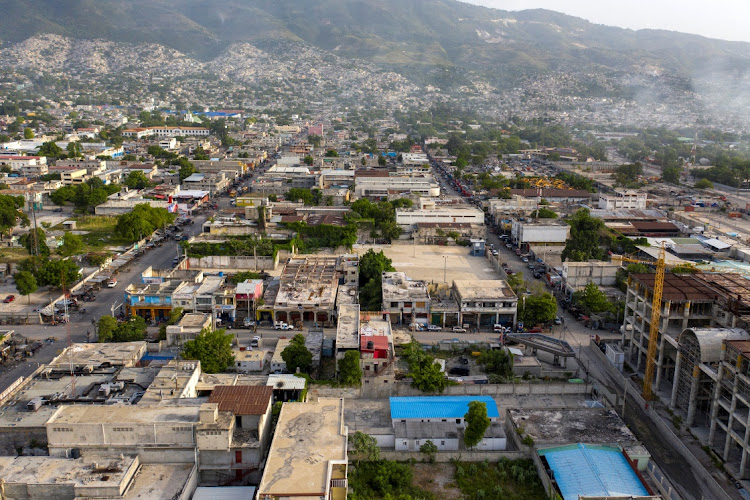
x: 628, y: 200
x: 444, y: 214
x: 381, y: 187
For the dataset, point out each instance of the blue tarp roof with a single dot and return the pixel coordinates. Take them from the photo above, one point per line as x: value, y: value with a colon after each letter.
x: 593, y: 471
x: 438, y: 406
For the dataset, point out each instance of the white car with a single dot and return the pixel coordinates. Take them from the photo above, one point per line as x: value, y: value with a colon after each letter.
x: 433, y: 328
x: 247, y: 322
x: 458, y: 329
x: 112, y: 283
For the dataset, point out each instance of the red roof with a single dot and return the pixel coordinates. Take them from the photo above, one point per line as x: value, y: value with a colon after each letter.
x: 17, y: 157
x: 380, y: 342
x: 242, y: 399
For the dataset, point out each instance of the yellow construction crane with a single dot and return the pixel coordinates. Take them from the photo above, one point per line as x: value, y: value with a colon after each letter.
x: 653, y: 332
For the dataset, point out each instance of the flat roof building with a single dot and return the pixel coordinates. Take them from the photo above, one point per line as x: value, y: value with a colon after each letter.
x: 485, y: 302
x: 405, y: 300
x: 307, y: 290
x: 308, y: 455
x: 347, y: 329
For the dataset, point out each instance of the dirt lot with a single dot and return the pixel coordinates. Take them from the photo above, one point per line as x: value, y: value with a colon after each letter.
x: 437, y: 479
x: 429, y: 262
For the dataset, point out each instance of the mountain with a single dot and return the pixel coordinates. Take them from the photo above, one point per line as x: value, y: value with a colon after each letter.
x: 426, y: 40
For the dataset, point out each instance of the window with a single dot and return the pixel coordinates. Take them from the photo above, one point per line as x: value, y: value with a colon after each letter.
x: 394, y: 304
x: 445, y: 420
x: 420, y: 304
x: 458, y: 420
x: 407, y: 304
x: 442, y: 443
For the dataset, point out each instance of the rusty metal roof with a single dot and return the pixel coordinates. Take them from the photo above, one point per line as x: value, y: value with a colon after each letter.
x: 242, y: 399
x: 680, y: 287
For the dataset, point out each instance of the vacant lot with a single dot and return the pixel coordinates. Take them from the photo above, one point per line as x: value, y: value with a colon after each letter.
x: 431, y: 262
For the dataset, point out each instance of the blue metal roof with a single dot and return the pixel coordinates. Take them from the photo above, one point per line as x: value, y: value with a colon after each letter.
x: 438, y: 406
x: 593, y: 471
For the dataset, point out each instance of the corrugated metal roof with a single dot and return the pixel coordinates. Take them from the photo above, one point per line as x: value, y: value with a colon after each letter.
x: 593, y: 471
x: 242, y: 399
x: 438, y: 406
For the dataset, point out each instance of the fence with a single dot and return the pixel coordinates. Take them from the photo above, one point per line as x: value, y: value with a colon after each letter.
x: 234, y: 263
x: 447, y: 456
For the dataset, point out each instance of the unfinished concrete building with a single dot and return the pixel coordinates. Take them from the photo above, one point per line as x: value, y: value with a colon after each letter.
x: 307, y: 291
x: 405, y: 300
x: 688, y: 301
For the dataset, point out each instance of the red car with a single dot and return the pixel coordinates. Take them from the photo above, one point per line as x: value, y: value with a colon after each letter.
x: 9, y: 299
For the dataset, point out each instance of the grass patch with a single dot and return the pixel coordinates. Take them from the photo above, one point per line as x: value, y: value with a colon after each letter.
x: 100, y: 232
x: 381, y: 479
x: 14, y: 255
x: 506, y: 480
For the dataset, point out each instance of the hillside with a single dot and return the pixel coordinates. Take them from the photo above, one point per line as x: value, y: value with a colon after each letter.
x: 435, y: 41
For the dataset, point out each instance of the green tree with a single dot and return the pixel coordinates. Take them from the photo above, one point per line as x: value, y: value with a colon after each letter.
x: 296, y: 355
x: 142, y: 221
x: 308, y: 160
x: 371, y: 267
x: 106, y: 328
x: 11, y: 214
x: 25, y: 283
x: 72, y: 245
x: 74, y: 149
x: 585, y: 238
x: 350, y: 371
x: 703, y: 184
x: 543, y: 213
x: 53, y: 272
x: 29, y: 243
x: 314, y: 140
x: 390, y: 230
x: 186, y: 170
x: 538, y: 309
x: 429, y: 449
x: 28, y: 133
x: 50, y: 150
x: 174, y: 316
x: 497, y: 362
x: 131, y: 330
x: 299, y: 194
x: 137, y: 180
x: 363, y: 161
x: 363, y: 447
x: 213, y: 348
x: 200, y: 154
x: 381, y: 160
x: 332, y: 153
x: 592, y: 300
x: 671, y: 174
x: 477, y: 423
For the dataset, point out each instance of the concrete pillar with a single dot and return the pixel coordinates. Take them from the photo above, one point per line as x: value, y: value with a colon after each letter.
x: 715, y: 405
x: 479, y: 320
x: 659, y: 364
x: 443, y: 325
x: 676, y: 381
x: 497, y: 318
x: 730, y: 421
x: 692, y: 407
x: 745, y: 441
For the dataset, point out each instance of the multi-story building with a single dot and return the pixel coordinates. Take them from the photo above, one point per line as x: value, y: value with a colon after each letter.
x: 150, y: 301
x: 73, y: 177
x: 213, y: 183
x: 383, y: 187
x: 307, y: 290
x: 189, y: 326
x: 540, y: 237
x: 483, y: 303
x: 405, y: 300
x: 627, y: 200
x: 444, y: 215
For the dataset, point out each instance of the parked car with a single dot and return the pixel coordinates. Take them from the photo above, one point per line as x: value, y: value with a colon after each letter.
x: 494, y: 252
x: 433, y: 328
x: 112, y: 283
x: 58, y: 210
x: 255, y: 341
x: 524, y: 259
x: 558, y: 320
x: 458, y: 329
x: 463, y: 372
x: 280, y: 325
x: 9, y: 299
x: 247, y: 322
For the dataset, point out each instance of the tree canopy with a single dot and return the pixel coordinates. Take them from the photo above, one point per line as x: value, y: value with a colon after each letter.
x: 142, y: 221
x: 425, y: 373
x: 137, y: 180
x: 25, y: 283
x: 477, y: 423
x: 296, y: 355
x: 213, y: 348
x: 11, y: 214
x: 350, y: 372
x: 538, y: 309
x: 592, y: 300
x: 130, y: 330
x: 371, y: 267
x: 363, y: 447
x: 585, y: 238
x: 72, y: 244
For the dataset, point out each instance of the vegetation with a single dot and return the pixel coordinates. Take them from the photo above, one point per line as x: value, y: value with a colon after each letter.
x: 498, y: 363
x: 49, y: 272
x: 350, y: 372
x: 538, y: 309
x: 371, y: 267
x: 384, y: 480
x: 429, y: 449
x: 704, y: 184
x: 35, y: 246
x: 25, y: 283
x: 577, y: 181
x: 174, y: 316
x: 585, y: 237
x: 84, y: 196
x: 72, y: 245
x: 312, y: 238
x: 131, y: 330
x: 137, y: 180
x: 363, y: 447
x: 142, y: 221
x: 244, y: 276
x: 543, y: 213
x: 508, y: 480
x: 592, y: 300
x: 11, y: 214
x: 213, y: 348
x: 423, y: 370
x: 296, y: 355
x: 477, y: 423
x: 627, y: 175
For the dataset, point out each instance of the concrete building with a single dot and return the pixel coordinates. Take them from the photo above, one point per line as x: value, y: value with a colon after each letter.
x: 306, y: 430
x: 383, y: 187
x: 347, y: 329
x: 483, y: 303
x: 249, y: 361
x: 150, y: 301
x: 688, y: 302
x: 576, y: 275
x: 440, y: 419
x: 462, y: 214
x: 307, y: 290
x: 540, y: 237
x: 214, y: 183
x: 278, y: 365
x: 376, y: 351
x: 189, y: 326
x: 626, y: 200
x: 405, y: 300
x: 73, y: 177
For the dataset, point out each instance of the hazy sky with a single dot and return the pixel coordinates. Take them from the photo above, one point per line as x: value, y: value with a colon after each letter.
x: 724, y: 19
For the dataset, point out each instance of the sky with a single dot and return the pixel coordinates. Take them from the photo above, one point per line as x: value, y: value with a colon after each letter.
x: 723, y: 19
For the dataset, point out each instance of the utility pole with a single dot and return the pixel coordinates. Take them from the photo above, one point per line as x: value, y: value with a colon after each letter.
x: 35, y: 236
